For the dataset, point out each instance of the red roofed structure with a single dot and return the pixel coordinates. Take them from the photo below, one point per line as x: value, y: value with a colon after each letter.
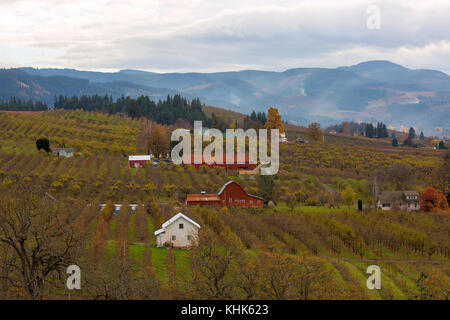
x: 231, y: 194
x: 201, y: 199
x: 208, y: 161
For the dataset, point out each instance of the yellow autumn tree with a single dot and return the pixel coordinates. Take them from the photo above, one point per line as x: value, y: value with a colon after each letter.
x: 158, y: 143
x: 314, y: 132
x: 274, y: 120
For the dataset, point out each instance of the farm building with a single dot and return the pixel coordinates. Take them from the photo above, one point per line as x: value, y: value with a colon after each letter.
x: 203, y: 198
x: 247, y: 164
x: 63, y: 152
x: 178, y: 232
x: 402, y: 200
x: 231, y: 194
x: 138, y: 161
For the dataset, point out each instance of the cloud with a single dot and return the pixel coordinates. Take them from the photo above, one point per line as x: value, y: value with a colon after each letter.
x: 205, y: 35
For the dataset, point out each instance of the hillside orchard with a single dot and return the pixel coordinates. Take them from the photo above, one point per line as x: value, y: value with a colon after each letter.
x: 311, y: 244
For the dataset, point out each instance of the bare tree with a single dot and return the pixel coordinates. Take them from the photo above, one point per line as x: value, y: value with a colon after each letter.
x: 40, y: 236
x: 112, y: 279
x: 212, y: 268
x: 400, y: 174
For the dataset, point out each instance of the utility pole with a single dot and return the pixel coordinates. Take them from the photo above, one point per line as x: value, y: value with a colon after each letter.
x: 375, y: 193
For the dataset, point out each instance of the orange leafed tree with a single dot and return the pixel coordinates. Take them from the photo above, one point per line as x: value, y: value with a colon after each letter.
x: 274, y: 120
x: 432, y: 199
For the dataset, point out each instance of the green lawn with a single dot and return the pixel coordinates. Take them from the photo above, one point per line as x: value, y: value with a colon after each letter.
x: 131, y: 229
x: 182, y: 265
x: 159, y: 259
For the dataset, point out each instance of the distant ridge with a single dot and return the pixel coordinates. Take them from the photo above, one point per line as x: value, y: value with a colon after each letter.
x: 369, y: 91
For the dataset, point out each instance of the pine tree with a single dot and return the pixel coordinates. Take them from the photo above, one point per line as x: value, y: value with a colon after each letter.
x: 422, y: 137
x: 412, y: 133
x: 369, y: 130
x: 394, y: 142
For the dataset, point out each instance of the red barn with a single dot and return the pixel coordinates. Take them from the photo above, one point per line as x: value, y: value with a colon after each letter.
x: 231, y: 194
x: 138, y: 161
x: 206, y: 161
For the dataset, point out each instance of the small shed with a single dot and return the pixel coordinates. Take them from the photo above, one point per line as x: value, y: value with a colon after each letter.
x: 63, y: 152
x: 138, y: 161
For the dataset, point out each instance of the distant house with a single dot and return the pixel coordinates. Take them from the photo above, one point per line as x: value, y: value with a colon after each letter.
x: 332, y: 131
x: 402, y: 200
x: 178, y: 232
x: 283, y: 137
x: 63, y: 152
x: 231, y: 194
x: 139, y: 161
x: 247, y: 164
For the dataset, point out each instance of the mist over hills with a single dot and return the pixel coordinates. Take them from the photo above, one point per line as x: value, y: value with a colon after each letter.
x: 369, y: 91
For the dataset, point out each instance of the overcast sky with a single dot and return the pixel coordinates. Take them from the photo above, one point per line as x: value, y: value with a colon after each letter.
x: 209, y: 35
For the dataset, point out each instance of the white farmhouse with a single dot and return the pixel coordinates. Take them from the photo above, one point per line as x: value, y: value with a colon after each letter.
x: 178, y: 232
x: 402, y: 200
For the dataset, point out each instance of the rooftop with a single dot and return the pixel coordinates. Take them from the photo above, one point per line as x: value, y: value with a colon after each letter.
x: 173, y: 219
x: 392, y: 196
x: 202, y: 197
x: 141, y: 157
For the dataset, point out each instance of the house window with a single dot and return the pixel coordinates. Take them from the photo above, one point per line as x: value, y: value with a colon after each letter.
x: 174, y: 238
x: 242, y: 201
x: 386, y: 205
x: 189, y: 238
x: 251, y: 201
x: 181, y: 226
x: 230, y: 200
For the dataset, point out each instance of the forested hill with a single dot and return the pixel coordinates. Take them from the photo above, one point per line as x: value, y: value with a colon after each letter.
x: 14, y: 104
x: 21, y: 85
x: 167, y: 111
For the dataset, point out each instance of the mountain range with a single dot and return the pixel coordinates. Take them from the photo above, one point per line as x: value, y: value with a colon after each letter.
x: 369, y: 91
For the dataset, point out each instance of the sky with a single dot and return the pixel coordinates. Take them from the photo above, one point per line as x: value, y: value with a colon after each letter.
x: 210, y: 35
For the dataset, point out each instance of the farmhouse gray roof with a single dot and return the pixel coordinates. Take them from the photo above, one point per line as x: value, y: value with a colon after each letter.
x: 398, y: 196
